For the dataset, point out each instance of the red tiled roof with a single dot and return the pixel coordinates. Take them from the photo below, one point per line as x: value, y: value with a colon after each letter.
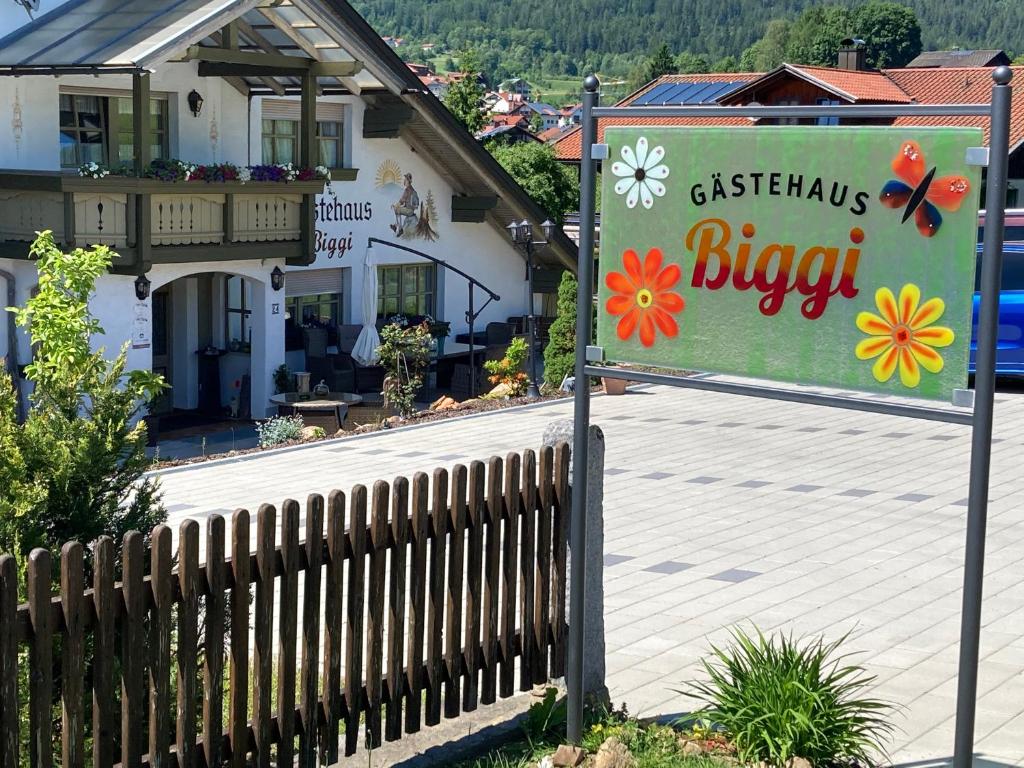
x: 860, y: 86
x: 550, y: 134
x: 954, y: 85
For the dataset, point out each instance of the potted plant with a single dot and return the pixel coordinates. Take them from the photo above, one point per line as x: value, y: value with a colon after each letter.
x: 613, y: 386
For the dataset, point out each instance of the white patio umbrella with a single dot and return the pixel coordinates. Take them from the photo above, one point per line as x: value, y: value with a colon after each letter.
x: 364, y: 351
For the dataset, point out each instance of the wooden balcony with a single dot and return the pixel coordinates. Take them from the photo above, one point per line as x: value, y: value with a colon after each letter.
x: 148, y: 221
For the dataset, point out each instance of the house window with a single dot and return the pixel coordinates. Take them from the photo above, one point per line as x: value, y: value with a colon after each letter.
x: 157, y: 129
x: 98, y: 129
x: 788, y: 103
x: 281, y: 141
x: 321, y: 310
x: 329, y: 134
x: 828, y: 103
x: 239, y: 309
x: 406, y: 289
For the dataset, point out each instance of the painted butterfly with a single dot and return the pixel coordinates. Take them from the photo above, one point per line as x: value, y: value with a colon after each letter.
x: 919, y: 193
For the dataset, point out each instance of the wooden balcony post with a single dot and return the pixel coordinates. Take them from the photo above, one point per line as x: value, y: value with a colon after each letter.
x: 141, y: 131
x: 309, y: 156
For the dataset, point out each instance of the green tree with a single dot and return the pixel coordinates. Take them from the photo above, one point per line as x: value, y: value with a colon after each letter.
x: 551, y: 184
x: 815, y: 36
x: 660, y: 63
x: 770, y: 51
x: 560, y: 353
x: 891, y: 31
x: 726, y: 64
x: 692, y: 63
x: 464, y: 97
x: 74, y: 469
x: 536, y: 122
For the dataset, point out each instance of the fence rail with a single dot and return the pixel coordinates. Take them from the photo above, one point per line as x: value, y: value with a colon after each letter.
x: 419, y: 600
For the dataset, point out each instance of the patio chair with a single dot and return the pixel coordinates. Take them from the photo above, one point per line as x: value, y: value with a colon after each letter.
x: 337, y: 371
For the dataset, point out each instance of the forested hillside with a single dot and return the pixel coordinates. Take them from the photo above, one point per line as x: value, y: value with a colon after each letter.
x: 567, y: 37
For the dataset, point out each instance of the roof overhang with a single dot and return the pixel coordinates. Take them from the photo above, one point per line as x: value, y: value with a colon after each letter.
x: 781, y: 72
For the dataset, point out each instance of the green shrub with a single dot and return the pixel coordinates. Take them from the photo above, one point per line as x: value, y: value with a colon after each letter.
x: 509, y: 370
x: 560, y: 353
x: 278, y: 429
x: 777, y: 699
x: 73, y: 470
x: 405, y: 354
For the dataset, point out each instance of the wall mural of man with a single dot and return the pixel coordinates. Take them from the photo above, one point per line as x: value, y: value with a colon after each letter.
x: 407, y: 208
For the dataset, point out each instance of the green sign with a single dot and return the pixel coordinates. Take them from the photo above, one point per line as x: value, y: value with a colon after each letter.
x: 823, y: 255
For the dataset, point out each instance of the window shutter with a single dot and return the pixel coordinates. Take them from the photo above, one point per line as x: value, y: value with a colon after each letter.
x: 281, y: 109
x: 310, y: 282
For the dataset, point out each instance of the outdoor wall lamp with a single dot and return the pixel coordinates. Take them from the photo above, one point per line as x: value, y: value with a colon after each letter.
x: 522, y: 235
x: 277, y: 279
x: 195, y: 102
x: 142, y: 287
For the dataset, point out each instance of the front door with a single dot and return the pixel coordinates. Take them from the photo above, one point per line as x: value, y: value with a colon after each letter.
x: 162, y: 327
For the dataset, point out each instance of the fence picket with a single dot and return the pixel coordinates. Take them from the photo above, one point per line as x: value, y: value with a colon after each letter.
x: 160, y: 648
x: 133, y: 705
x: 563, y: 507
x: 542, y: 616
x: 375, y: 611
x: 9, y: 731
x: 238, y: 695
x: 438, y: 533
x: 104, y: 718
x: 396, y: 608
x: 509, y: 574
x: 309, y: 681
x: 527, y: 569
x: 213, y: 643
x: 72, y: 664
x: 334, y: 616
x: 188, y: 643
x: 453, y: 616
x: 354, y: 647
x: 40, y: 682
x: 417, y: 599
x: 287, y: 633
x: 492, y: 568
x: 263, y: 651
x: 475, y: 512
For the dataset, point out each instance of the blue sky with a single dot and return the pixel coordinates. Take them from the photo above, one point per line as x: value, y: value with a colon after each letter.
x: 13, y: 15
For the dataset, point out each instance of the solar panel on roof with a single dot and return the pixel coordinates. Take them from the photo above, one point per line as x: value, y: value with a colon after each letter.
x: 686, y: 94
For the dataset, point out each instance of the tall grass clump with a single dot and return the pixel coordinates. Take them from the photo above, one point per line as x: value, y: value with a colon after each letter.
x: 778, y: 699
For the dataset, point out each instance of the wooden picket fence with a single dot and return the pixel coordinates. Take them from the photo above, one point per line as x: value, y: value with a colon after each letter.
x: 429, y: 601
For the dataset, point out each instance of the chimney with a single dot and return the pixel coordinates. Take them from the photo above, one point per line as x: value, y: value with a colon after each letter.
x: 853, y: 54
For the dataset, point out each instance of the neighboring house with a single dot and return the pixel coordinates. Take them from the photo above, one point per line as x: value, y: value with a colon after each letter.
x: 570, y: 115
x: 548, y: 115
x: 394, y: 42
x: 553, y: 134
x: 199, y: 265
x: 510, y: 103
x: 960, y: 58
x: 510, y: 134
x: 852, y: 83
x: 516, y: 86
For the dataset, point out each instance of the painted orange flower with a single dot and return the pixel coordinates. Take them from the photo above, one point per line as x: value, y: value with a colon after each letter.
x: 904, y: 335
x: 643, y: 297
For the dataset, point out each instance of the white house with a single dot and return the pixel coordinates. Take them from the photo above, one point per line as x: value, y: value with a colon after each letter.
x: 197, y: 288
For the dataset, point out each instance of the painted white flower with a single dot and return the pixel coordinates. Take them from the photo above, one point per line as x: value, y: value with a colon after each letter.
x: 640, y: 174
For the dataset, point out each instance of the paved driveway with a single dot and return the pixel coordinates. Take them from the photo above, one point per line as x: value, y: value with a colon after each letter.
x: 722, y: 510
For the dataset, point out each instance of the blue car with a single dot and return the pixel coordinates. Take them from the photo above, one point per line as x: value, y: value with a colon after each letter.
x: 1010, y: 345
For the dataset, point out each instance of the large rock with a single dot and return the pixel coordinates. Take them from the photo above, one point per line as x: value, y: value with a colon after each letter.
x: 568, y: 756
x: 312, y: 433
x: 613, y: 754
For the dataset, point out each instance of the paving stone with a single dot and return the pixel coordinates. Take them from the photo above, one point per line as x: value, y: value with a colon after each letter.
x: 734, y: 575
x: 914, y: 497
x: 656, y: 475
x: 705, y: 480
x: 668, y: 567
x: 857, y: 493
x: 753, y: 484
x: 854, y: 432
x: 615, y: 471
x: 805, y: 488
x: 610, y: 560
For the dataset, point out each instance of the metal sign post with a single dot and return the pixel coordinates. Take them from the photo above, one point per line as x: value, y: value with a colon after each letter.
x: 981, y: 418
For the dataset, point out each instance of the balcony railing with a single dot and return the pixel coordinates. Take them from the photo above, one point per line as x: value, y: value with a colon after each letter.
x: 156, y: 220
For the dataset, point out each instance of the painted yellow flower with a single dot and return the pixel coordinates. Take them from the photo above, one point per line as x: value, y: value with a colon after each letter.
x: 903, y: 335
